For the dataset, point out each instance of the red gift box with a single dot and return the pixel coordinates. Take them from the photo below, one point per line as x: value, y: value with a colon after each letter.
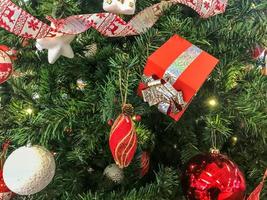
x: 183, y: 65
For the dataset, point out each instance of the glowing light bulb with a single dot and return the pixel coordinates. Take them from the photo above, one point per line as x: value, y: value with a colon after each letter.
x: 29, y: 111
x: 213, y: 102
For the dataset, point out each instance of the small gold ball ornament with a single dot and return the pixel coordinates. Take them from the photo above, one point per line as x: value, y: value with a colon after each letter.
x: 233, y: 140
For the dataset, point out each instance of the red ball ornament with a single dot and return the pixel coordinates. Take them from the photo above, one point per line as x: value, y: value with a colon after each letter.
x: 213, y: 177
x: 123, y: 140
x: 137, y: 118
x: 5, y: 193
x: 110, y: 122
x: 6, y: 67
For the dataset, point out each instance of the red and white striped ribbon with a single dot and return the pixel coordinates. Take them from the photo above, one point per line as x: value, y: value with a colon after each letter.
x: 16, y: 20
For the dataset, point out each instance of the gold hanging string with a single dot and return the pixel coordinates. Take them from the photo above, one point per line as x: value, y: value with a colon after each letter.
x: 213, y: 139
x: 124, y: 87
x: 120, y: 82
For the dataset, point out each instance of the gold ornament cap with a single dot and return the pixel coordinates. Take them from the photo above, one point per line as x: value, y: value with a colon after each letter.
x: 234, y: 140
x: 214, y: 151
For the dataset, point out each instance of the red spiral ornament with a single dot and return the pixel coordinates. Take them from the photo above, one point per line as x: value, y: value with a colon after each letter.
x: 123, y: 140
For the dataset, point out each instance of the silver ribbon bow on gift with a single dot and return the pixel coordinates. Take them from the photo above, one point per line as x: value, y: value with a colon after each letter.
x: 163, y: 94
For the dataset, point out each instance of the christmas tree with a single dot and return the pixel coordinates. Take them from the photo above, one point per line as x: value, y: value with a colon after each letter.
x: 68, y: 107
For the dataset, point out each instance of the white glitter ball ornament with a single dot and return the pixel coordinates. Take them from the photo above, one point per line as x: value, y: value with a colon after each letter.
x: 114, y: 173
x: 29, y: 169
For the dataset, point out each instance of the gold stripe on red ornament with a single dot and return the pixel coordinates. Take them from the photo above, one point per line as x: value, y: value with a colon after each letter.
x: 123, y: 152
x: 123, y: 140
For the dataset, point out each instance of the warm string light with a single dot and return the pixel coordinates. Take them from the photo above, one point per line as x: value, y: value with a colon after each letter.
x: 29, y: 111
x: 81, y: 84
x: 212, y: 102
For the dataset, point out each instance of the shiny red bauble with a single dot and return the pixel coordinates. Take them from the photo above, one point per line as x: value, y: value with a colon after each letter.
x: 137, y: 118
x: 213, y: 176
x: 110, y: 122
